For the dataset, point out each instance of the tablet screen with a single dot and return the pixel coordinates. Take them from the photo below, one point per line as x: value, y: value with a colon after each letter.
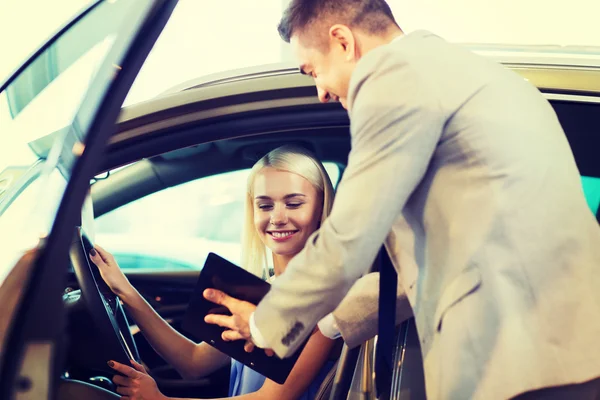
x: 218, y: 273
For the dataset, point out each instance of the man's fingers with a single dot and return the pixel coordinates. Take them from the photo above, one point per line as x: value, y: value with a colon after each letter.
x: 249, y: 346
x: 222, y: 320
x: 230, y: 336
x: 124, y: 369
x: 269, y: 352
x: 218, y: 297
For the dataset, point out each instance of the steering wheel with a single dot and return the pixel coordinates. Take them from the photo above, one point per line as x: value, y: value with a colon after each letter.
x: 111, y: 326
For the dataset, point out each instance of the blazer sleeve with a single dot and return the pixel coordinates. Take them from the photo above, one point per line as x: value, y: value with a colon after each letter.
x: 396, y: 122
x: 357, y: 315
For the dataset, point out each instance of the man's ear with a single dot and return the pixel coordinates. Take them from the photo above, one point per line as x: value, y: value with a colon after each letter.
x: 341, y: 37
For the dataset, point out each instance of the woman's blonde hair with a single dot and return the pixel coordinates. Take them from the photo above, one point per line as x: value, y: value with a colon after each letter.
x: 296, y: 160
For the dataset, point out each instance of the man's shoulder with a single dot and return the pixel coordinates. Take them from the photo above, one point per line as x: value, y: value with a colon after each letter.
x: 387, y: 61
x: 400, y: 48
x: 422, y: 62
x: 393, y: 68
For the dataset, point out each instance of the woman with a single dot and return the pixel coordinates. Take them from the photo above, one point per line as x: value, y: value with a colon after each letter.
x: 288, y: 195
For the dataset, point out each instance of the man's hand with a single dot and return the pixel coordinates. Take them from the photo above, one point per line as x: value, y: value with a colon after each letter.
x: 238, y: 323
x: 249, y: 348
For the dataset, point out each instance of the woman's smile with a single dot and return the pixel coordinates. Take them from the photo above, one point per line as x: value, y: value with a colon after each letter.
x: 282, y: 236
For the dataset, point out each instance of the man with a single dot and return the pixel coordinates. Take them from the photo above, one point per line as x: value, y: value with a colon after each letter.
x: 356, y: 318
x: 464, y: 167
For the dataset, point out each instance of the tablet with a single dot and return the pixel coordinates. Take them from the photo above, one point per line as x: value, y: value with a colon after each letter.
x: 218, y: 273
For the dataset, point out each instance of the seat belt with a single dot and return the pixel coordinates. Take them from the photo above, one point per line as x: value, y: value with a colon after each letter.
x: 384, y: 353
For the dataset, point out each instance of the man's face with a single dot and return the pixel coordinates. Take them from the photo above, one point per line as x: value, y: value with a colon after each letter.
x: 330, y: 66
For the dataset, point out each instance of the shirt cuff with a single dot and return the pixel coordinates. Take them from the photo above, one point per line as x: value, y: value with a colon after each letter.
x: 329, y: 327
x: 255, y: 335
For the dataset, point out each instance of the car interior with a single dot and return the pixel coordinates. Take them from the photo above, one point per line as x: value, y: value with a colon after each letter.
x: 169, y: 291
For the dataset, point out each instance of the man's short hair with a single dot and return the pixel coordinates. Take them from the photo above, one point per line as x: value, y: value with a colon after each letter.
x: 372, y: 16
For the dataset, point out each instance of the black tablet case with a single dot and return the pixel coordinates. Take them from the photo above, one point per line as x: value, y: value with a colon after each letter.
x: 218, y: 273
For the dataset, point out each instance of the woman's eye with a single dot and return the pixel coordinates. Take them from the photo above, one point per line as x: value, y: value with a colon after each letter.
x: 265, y: 207
x: 294, y: 205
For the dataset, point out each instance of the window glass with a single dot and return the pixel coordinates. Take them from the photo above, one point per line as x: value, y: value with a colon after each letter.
x: 21, y: 39
x: 27, y: 219
x: 177, y: 227
x: 39, y: 141
x: 591, y: 189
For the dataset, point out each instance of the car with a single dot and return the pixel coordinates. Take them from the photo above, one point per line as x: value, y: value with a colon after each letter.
x: 84, y: 170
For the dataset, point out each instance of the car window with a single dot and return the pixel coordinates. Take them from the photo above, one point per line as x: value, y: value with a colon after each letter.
x: 591, y: 189
x: 39, y: 140
x: 130, y: 261
x: 176, y: 228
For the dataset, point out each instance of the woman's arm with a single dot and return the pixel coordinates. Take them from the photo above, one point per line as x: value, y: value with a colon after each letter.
x: 191, y: 360
x: 309, y: 364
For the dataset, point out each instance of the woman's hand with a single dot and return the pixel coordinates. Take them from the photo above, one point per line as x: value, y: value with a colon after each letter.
x: 136, y: 384
x: 110, y: 272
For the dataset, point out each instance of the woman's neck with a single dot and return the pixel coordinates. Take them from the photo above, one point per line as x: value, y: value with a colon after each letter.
x: 280, y: 263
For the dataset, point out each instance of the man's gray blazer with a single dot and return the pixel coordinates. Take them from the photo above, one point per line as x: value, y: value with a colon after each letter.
x: 463, y: 166
x: 357, y: 315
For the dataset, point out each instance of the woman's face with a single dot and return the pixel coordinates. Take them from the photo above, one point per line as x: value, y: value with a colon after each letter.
x: 287, y: 210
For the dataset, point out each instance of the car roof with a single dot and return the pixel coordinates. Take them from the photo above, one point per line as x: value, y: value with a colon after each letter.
x: 256, y: 89
x: 558, y: 74
x: 277, y: 89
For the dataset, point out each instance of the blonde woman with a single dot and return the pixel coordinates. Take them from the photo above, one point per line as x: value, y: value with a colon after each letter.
x: 288, y: 195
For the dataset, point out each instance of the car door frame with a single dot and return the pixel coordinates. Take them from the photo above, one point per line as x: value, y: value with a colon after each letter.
x: 35, y: 337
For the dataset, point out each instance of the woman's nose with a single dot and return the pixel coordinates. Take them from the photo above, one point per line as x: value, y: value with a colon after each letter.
x: 278, y: 217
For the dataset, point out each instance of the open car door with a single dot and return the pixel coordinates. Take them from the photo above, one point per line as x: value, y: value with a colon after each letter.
x: 56, y: 114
